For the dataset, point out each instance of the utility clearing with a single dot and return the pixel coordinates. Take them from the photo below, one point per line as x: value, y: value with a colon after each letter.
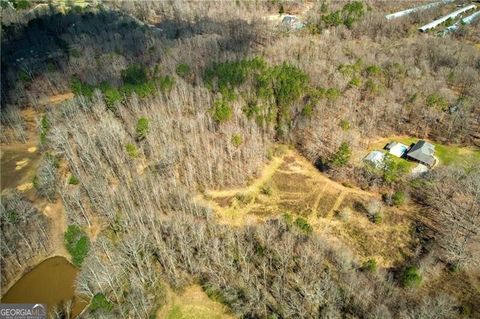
x: 290, y: 184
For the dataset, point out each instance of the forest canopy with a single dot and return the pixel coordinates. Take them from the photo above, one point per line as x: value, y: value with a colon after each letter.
x: 152, y: 125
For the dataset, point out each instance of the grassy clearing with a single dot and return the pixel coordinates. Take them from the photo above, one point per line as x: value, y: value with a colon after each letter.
x: 292, y: 186
x: 456, y: 155
x: 193, y: 303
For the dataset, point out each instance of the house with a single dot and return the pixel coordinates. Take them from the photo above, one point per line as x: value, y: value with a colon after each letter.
x: 422, y: 152
x: 397, y: 149
x: 375, y: 158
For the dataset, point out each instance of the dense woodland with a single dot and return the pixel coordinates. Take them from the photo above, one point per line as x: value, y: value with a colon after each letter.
x: 174, y: 98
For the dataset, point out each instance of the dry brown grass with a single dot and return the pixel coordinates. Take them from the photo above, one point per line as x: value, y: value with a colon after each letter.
x: 192, y: 303
x: 296, y: 187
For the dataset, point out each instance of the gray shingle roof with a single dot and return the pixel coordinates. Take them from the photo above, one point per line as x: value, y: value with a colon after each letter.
x: 422, y: 152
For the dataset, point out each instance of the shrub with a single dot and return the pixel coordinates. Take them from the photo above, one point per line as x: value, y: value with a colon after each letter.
x: 372, y: 87
x: 393, y: 170
x: 131, y: 150
x: 77, y: 244
x: 289, y: 83
x: 142, y: 90
x: 135, y: 74
x: 237, y: 140
x: 371, y: 265
x: 342, y: 156
x: 251, y: 110
x: 166, y: 83
x: 112, y: 96
x: 243, y: 198
x: 99, y: 301
x: 349, y: 14
x: 230, y: 74
x: 143, y: 126
x: 266, y: 189
x: 44, y: 128
x: 24, y: 77
x: 79, y: 88
x: 411, y: 277
x: 307, y: 111
x: 183, y: 70
x: 346, y: 69
x: 454, y: 267
x: 377, y: 217
x: 345, y: 125
x: 355, y: 82
x: 332, y: 93
x: 352, y: 11
x: 374, y: 209
x: 73, y: 180
x: 287, y: 218
x: 333, y: 19
x: 21, y: 4
x: 302, y: 224
x: 372, y: 70
x: 465, y: 310
x: 438, y: 101
x: 221, y: 111
x: 398, y: 198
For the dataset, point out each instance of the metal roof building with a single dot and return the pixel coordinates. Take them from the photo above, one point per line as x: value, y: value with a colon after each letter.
x: 464, y: 21
x: 452, y: 15
x: 422, y: 152
x: 415, y: 9
x: 397, y: 149
x: 375, y: 158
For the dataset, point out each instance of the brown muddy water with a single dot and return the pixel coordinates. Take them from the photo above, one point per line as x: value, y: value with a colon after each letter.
x: 51, y: 282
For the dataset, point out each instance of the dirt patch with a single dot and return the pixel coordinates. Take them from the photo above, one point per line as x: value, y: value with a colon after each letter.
x: 24, y: 187
x: 58, y: 225
x: 57, y: 99
x: 19, y: 164
x: 224, y: 201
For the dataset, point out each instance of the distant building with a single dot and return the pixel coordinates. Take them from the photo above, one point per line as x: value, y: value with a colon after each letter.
x: 375, y: 158
x: 422, y: 152
x: 397, y: 149
x: 292, y: 22
x: 452, y: 15
x: 415, y: 9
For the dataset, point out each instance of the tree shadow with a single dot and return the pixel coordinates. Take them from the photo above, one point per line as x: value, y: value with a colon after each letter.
x: 237, y: 35
x: 45, y: 43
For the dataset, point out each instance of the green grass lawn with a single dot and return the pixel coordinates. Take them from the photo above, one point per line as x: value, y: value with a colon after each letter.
x: 195, y: 304
x: 409, y: 165
x: 192, y: 312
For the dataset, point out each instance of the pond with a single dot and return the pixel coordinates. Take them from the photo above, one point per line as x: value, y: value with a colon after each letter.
x: 51, y: 282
